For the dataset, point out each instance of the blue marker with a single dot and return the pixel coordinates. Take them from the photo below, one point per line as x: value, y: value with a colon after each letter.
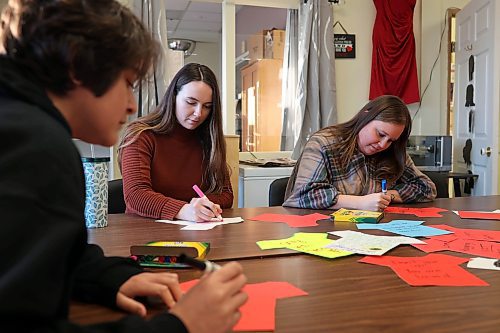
x: 384, y: 186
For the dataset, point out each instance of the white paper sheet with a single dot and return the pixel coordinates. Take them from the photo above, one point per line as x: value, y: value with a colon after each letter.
x: 483, y: 263
x: 190, y: 225
x: 358, y: 242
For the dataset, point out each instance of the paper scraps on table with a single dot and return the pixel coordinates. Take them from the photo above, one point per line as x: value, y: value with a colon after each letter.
x: 483, y: 263
x: 405, y: 227
x: 420, y: 212
x: 430, y: 270
x: 190, y: 225
x: 358, y: 242
x: 306, y: 242
x: 258, y: 313
x: 294, y: 221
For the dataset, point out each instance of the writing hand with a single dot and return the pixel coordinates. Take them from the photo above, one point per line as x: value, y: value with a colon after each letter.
x: 200, y: 210
x: 375, y: 201
x: 213, y: 304
x: 162, y: 285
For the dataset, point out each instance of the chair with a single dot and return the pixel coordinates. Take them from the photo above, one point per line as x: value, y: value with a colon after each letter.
x: 277, y: 191
x: 116, y: 201
x: 440, y: 179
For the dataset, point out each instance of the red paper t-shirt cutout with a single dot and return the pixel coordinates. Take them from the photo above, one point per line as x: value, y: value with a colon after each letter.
x: 258, y: 313
x: 420, y: 212
x: 478, y: 215
x: 477, y: 234
x: 462, y: 245
x: 430, y: 270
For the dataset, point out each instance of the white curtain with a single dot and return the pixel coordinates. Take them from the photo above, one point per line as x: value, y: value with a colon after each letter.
x: 316, y: 90
x: 153, y: 15
x: 291, y: 112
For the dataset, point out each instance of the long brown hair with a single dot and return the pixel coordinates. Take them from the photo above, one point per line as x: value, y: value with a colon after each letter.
x: 389, y: 109
x: 163, y: 120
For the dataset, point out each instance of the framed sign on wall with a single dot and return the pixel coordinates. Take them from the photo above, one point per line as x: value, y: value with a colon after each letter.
x: 345, y: 44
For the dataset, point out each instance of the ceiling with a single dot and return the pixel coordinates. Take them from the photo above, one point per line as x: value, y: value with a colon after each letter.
x: 199, y: 21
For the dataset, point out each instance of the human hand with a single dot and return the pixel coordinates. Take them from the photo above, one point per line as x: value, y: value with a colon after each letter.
x: 395, y: 197
x: 374, y: 201
x: 163, y: 285
x: 200, y: 210
x: 213, y: 304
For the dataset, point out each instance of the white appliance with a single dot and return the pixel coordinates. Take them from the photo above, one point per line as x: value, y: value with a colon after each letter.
x: 253, y: 184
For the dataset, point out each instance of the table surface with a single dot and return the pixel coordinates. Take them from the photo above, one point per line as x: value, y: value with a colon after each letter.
x: 344, y: 295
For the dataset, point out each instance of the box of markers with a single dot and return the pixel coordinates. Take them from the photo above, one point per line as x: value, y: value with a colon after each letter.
x: 356, y: 216
x: 166, y: 253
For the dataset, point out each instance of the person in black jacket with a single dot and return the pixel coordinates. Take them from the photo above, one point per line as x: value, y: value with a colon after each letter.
x: 67, y: 69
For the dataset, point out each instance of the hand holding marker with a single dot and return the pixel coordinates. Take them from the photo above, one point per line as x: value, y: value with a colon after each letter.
x: 202, y: 195
x: 384, y: 190
x: 206, y: 266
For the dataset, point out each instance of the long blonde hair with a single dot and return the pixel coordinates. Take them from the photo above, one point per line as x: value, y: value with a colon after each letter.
x: 163, y: 120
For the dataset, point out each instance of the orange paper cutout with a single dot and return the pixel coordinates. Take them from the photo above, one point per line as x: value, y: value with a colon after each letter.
x: 469, y: 246
x: 258, y: 313
x: 430, y: 270
x: 478, y: 215
x: 477, y: 234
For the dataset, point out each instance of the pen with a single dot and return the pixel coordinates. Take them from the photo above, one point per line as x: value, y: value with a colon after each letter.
x: 206, y: 266
x: 384, y: 186
x: 201, y: 195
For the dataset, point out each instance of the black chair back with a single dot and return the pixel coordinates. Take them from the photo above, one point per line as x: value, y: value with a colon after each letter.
x: 277, y: 191
x: 116, y: 201
x: 440, y: 179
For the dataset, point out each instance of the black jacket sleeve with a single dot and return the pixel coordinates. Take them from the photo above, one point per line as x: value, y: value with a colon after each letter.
x: 43, y: 240
x: 98, y: 278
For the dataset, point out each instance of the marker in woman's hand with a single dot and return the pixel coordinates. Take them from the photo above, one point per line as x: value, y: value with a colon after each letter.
x: 384, y: 186
x: 202, y: 195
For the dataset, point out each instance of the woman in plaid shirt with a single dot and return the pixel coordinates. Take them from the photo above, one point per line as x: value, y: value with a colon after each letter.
x: 342, y: 166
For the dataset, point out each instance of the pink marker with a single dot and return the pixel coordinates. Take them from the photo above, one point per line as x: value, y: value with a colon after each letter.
x: 198, y: 191
x: 202, y: 195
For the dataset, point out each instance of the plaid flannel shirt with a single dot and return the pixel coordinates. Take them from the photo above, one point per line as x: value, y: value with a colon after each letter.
x: 317, y: 178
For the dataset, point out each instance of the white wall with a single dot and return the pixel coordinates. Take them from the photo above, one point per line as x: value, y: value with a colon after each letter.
x: 432, y: 118
x: 353, y: 75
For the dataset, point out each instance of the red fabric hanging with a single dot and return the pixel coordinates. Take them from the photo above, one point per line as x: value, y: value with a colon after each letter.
x: 394, y: 67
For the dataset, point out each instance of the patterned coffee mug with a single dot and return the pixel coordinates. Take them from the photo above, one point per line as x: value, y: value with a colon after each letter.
x: 96, y: 191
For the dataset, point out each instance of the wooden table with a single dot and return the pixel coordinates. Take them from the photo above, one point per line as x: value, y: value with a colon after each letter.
x: 344, y: 295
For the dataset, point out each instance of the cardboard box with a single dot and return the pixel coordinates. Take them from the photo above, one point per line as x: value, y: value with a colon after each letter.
x: 267, y: 44
x: 274, y: 44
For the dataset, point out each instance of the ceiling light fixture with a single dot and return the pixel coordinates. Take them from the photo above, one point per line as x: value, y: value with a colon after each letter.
x: 185, y: 45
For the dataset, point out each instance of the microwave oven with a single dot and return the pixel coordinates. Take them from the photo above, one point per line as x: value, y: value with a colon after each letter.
x: 430, y: 153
